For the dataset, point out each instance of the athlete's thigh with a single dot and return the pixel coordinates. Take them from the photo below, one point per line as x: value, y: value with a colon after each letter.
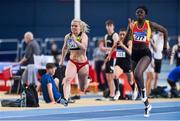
x: 71, y: 70
x: 83, y: 73
x: 143, y: 64
x: 117, y: 71
x: 83, y: 76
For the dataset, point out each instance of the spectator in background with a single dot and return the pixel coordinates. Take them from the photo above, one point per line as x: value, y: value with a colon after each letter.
x: 57, y: 59
x: 99, y: 56
x: 110, y: 38
x: 32, y: 48
x: 158, y: 40
x: 176, y: 53
x: 50, y: 90
x: 54, y: 51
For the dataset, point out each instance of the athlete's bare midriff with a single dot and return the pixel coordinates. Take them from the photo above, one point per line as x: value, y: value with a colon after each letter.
x: 78, y: 56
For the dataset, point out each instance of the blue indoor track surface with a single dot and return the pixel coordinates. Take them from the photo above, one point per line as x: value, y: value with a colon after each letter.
x: 160, y: 111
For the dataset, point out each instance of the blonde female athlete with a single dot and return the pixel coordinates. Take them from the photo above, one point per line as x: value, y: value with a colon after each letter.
x: 76, y: 42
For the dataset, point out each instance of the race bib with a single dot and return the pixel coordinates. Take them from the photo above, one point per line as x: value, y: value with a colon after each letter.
x: 140, y: 36
x: 71, y: 44
x: 120, y: 53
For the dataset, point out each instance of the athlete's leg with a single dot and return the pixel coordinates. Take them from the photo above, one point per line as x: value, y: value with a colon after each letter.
x: 110, y: 77
x: 138, y: 74
x: 130, y: 79
x: 155, y: 80
x: 149, y: 79
x: 83, y: 77
x: 133, y: 85
x: 157, y: 68
x: 117, y: 72
x: 70, y: 74
x: 98, y: 66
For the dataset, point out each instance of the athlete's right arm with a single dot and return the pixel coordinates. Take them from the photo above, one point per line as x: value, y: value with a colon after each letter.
x: 128, y: 36
x: 64, y: 50
x: 111, y: 51
x: 127, y: 49
x: 130, y: 27
x: 174, y: 49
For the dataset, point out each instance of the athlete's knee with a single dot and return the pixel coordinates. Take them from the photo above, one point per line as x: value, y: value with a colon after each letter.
x: 67, y: 80
x: 82, y: 88
x: 136, y: 74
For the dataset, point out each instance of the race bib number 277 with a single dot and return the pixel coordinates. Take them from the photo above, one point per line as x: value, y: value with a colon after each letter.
x: 140, y: 36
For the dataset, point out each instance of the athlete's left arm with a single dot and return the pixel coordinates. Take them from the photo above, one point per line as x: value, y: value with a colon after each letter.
x: 84, y: 42
x: 129, y: 48
x: 162, y: 29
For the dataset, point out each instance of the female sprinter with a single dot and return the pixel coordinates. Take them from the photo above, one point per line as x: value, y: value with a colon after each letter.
x: 123, y: 61
x: 140, y: 34
x: 76, y: 43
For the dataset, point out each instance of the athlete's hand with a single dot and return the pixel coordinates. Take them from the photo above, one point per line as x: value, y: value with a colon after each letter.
x: 73, y: 37
x: 120, y: 43
x: 131, y: 23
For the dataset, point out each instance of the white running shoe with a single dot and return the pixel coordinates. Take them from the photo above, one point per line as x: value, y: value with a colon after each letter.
x: 118, y: 94
x: 147, y: 111
x: 135, y: 93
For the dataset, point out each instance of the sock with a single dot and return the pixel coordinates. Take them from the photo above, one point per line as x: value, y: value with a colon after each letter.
x: 143, y: 92
x: 116, y: 82
x: 121, y: 87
